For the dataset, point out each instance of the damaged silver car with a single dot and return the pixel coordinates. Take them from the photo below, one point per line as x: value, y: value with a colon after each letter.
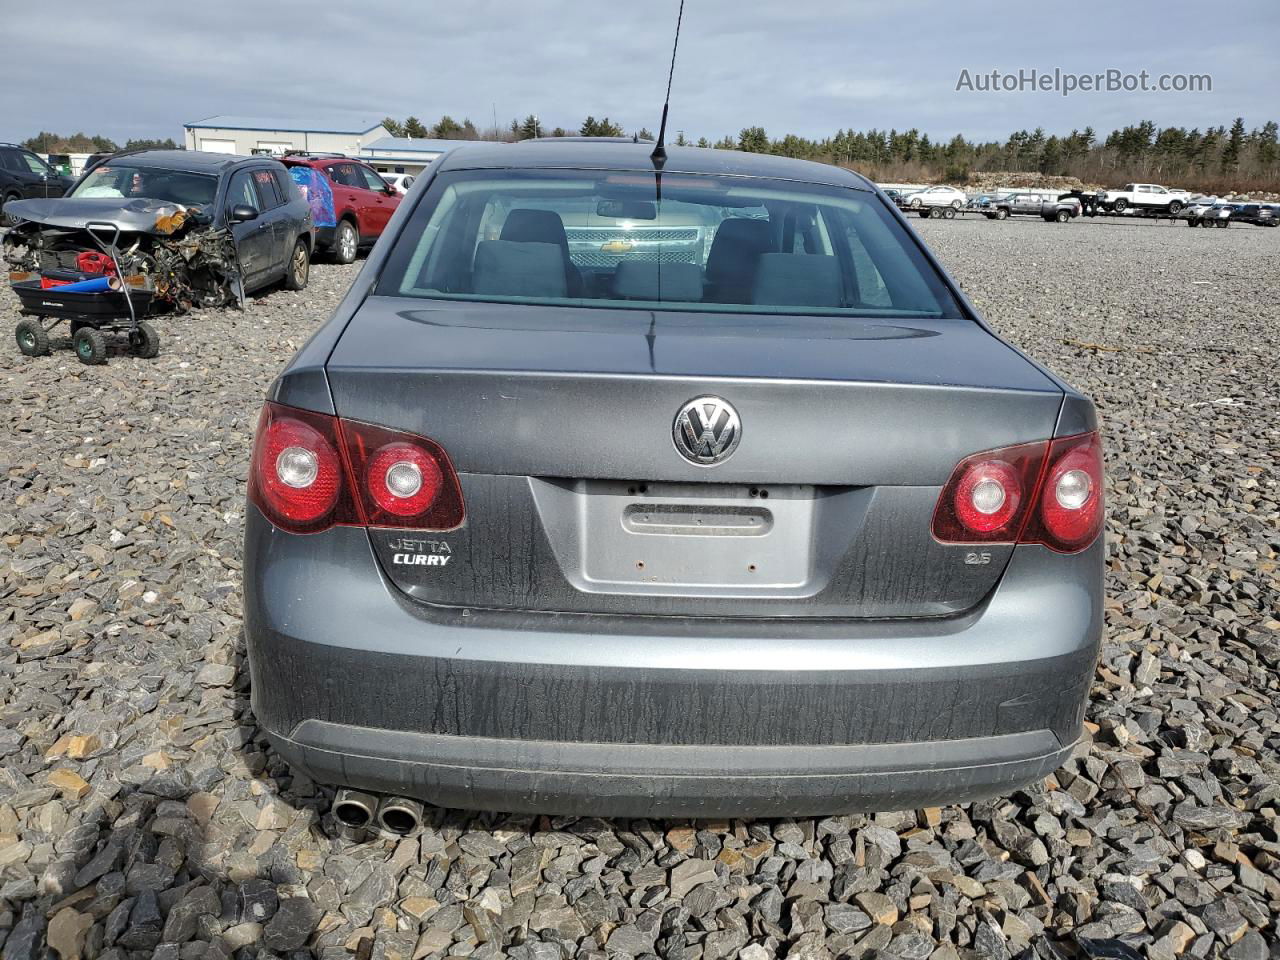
x: 180, y: 228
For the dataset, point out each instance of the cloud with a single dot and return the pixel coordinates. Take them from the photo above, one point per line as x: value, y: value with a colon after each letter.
x: 806, y: 67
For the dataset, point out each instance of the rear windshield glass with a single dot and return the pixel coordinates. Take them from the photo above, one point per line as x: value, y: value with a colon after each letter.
x: 592, y: 238
x: 150, y: 183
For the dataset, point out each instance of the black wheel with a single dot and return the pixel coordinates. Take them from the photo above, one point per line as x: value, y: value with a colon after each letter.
x: 1120, y: 205
x: 915, y: 204
x: 1062, y: 216
x: 1224, y: 223
x: 923, y: 211
x: 1002, y: 214
x: 1175, y: 206
x: 5, y: 219
x: 91, y: 346
x: 950, y: 213
x: 295, y: 275
x: 1192, y: 222
x: 32, y: 339
x: 1206, y: 223
x: 345, y: 242
x: 956, y: 204
x: 144, y: 341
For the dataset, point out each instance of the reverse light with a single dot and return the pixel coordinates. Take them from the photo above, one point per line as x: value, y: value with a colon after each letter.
x: 1049, y: 493
x: 312, y: 471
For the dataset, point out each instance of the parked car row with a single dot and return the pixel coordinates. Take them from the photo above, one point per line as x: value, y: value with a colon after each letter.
x: 1134, y: 200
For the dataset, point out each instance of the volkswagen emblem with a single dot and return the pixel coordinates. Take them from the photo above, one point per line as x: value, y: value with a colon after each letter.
x: 706, y: 431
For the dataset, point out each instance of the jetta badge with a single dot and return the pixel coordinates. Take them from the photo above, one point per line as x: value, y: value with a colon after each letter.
x: 706, y: 431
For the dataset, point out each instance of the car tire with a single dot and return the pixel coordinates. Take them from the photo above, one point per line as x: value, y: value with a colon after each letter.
x: 1062, y: 216
x: 32, y: 338
x: 914, y: 204
x: 956, y: 204
x: 1191, y: 222
x: 145, y: 342
x: 1224, y: 223
x: 298, y: 270
x: 5, y: 219
x: 1120, y: 205
x: 1002, y: 214
x: 1206, y: 223
x: 950, y: 212
x: 345, y: 242
x: 1175, y: 206
x: 923, y: 212
x: 90, y: 345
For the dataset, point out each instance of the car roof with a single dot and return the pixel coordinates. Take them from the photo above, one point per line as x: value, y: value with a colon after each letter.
x: 191, y: 161
x: 602, y: 154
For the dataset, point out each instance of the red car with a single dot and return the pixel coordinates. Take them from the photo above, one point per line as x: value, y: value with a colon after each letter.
x: 362, y: 203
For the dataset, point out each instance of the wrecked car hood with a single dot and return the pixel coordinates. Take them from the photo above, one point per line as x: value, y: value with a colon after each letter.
x: 138, y: 215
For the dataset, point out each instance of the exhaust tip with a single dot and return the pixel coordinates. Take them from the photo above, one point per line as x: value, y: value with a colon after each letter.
x: 400, y: 815
x: 353, y: 809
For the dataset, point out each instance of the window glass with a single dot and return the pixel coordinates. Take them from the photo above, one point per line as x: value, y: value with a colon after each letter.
x: 346, y: 174
x: 121, y: 179
x: 241, y: 191
x: 371, y: 180
x: 33, y: 164
x: 727, y: 244
x: 268, y: 189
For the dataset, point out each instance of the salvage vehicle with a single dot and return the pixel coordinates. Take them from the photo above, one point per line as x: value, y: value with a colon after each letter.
x: 1145, y: 196
x: 24, y: 176
x: 363, y: 203
x: 1031, y: 204
x: 1208, y: 212
x: 784, y: 530
x: 1258, y: 214
x: 166, y: 229
x: 936, y: 197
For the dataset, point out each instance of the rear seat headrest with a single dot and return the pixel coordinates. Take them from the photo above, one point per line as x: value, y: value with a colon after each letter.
x: 510, y: 269
x: 797, y: 279
x: 647, y: 280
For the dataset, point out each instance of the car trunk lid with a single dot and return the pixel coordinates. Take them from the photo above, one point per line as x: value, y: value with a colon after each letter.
x: 560, y: 423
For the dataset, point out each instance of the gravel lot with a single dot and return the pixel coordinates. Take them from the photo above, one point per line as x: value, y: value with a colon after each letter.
x: 141, y: 814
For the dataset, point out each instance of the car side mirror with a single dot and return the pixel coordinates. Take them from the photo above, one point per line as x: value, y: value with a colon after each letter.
x: 389, y: 190
x: 242, y: 212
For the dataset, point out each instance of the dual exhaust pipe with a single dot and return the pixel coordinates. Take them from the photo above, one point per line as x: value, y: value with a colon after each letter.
x: 358, y: 812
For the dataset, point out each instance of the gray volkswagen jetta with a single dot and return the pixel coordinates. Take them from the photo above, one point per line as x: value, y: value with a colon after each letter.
x: 766, y: 523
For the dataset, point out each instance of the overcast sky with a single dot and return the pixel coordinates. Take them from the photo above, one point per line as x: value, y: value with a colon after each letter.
x: 138, y: 68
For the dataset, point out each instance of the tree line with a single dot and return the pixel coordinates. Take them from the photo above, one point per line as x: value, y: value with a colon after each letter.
x: 1216, y: 159
x: 46, y: 142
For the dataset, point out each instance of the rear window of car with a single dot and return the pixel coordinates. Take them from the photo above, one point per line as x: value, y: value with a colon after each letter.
x: 686, y: 242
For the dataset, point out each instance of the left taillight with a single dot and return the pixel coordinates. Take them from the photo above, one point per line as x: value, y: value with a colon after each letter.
x: 311, y: 471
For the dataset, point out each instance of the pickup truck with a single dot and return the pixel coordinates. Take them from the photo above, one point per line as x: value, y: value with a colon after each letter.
x: 1031, y: 204
x: 1146, y: 197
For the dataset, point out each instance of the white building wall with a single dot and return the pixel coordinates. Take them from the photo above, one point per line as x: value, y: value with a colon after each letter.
x: 244, y: 142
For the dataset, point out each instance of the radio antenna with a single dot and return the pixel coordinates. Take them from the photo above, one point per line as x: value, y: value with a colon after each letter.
x: 659, y: 155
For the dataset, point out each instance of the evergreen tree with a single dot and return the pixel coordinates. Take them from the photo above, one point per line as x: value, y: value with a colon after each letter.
x: 413, y: 128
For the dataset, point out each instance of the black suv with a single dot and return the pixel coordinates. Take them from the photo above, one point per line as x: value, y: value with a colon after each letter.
x: 23, y: 175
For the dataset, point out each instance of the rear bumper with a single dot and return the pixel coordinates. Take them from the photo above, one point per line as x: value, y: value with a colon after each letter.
x: 622, y: 716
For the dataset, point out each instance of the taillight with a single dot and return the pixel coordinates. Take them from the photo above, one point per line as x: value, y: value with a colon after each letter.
x: 988, y: 496
x: 312, y: 471
x: 1048, y: 492
x: 402, y: 480
x: 298, y: 477
x: 1069, y: 513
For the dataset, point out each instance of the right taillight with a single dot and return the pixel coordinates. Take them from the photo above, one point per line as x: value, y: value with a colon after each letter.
x: 1069, y: 505
x: 312, y: 471
x: 1048, y: 492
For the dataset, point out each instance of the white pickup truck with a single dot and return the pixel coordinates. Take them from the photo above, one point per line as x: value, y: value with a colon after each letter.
x: 1146, y: 197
